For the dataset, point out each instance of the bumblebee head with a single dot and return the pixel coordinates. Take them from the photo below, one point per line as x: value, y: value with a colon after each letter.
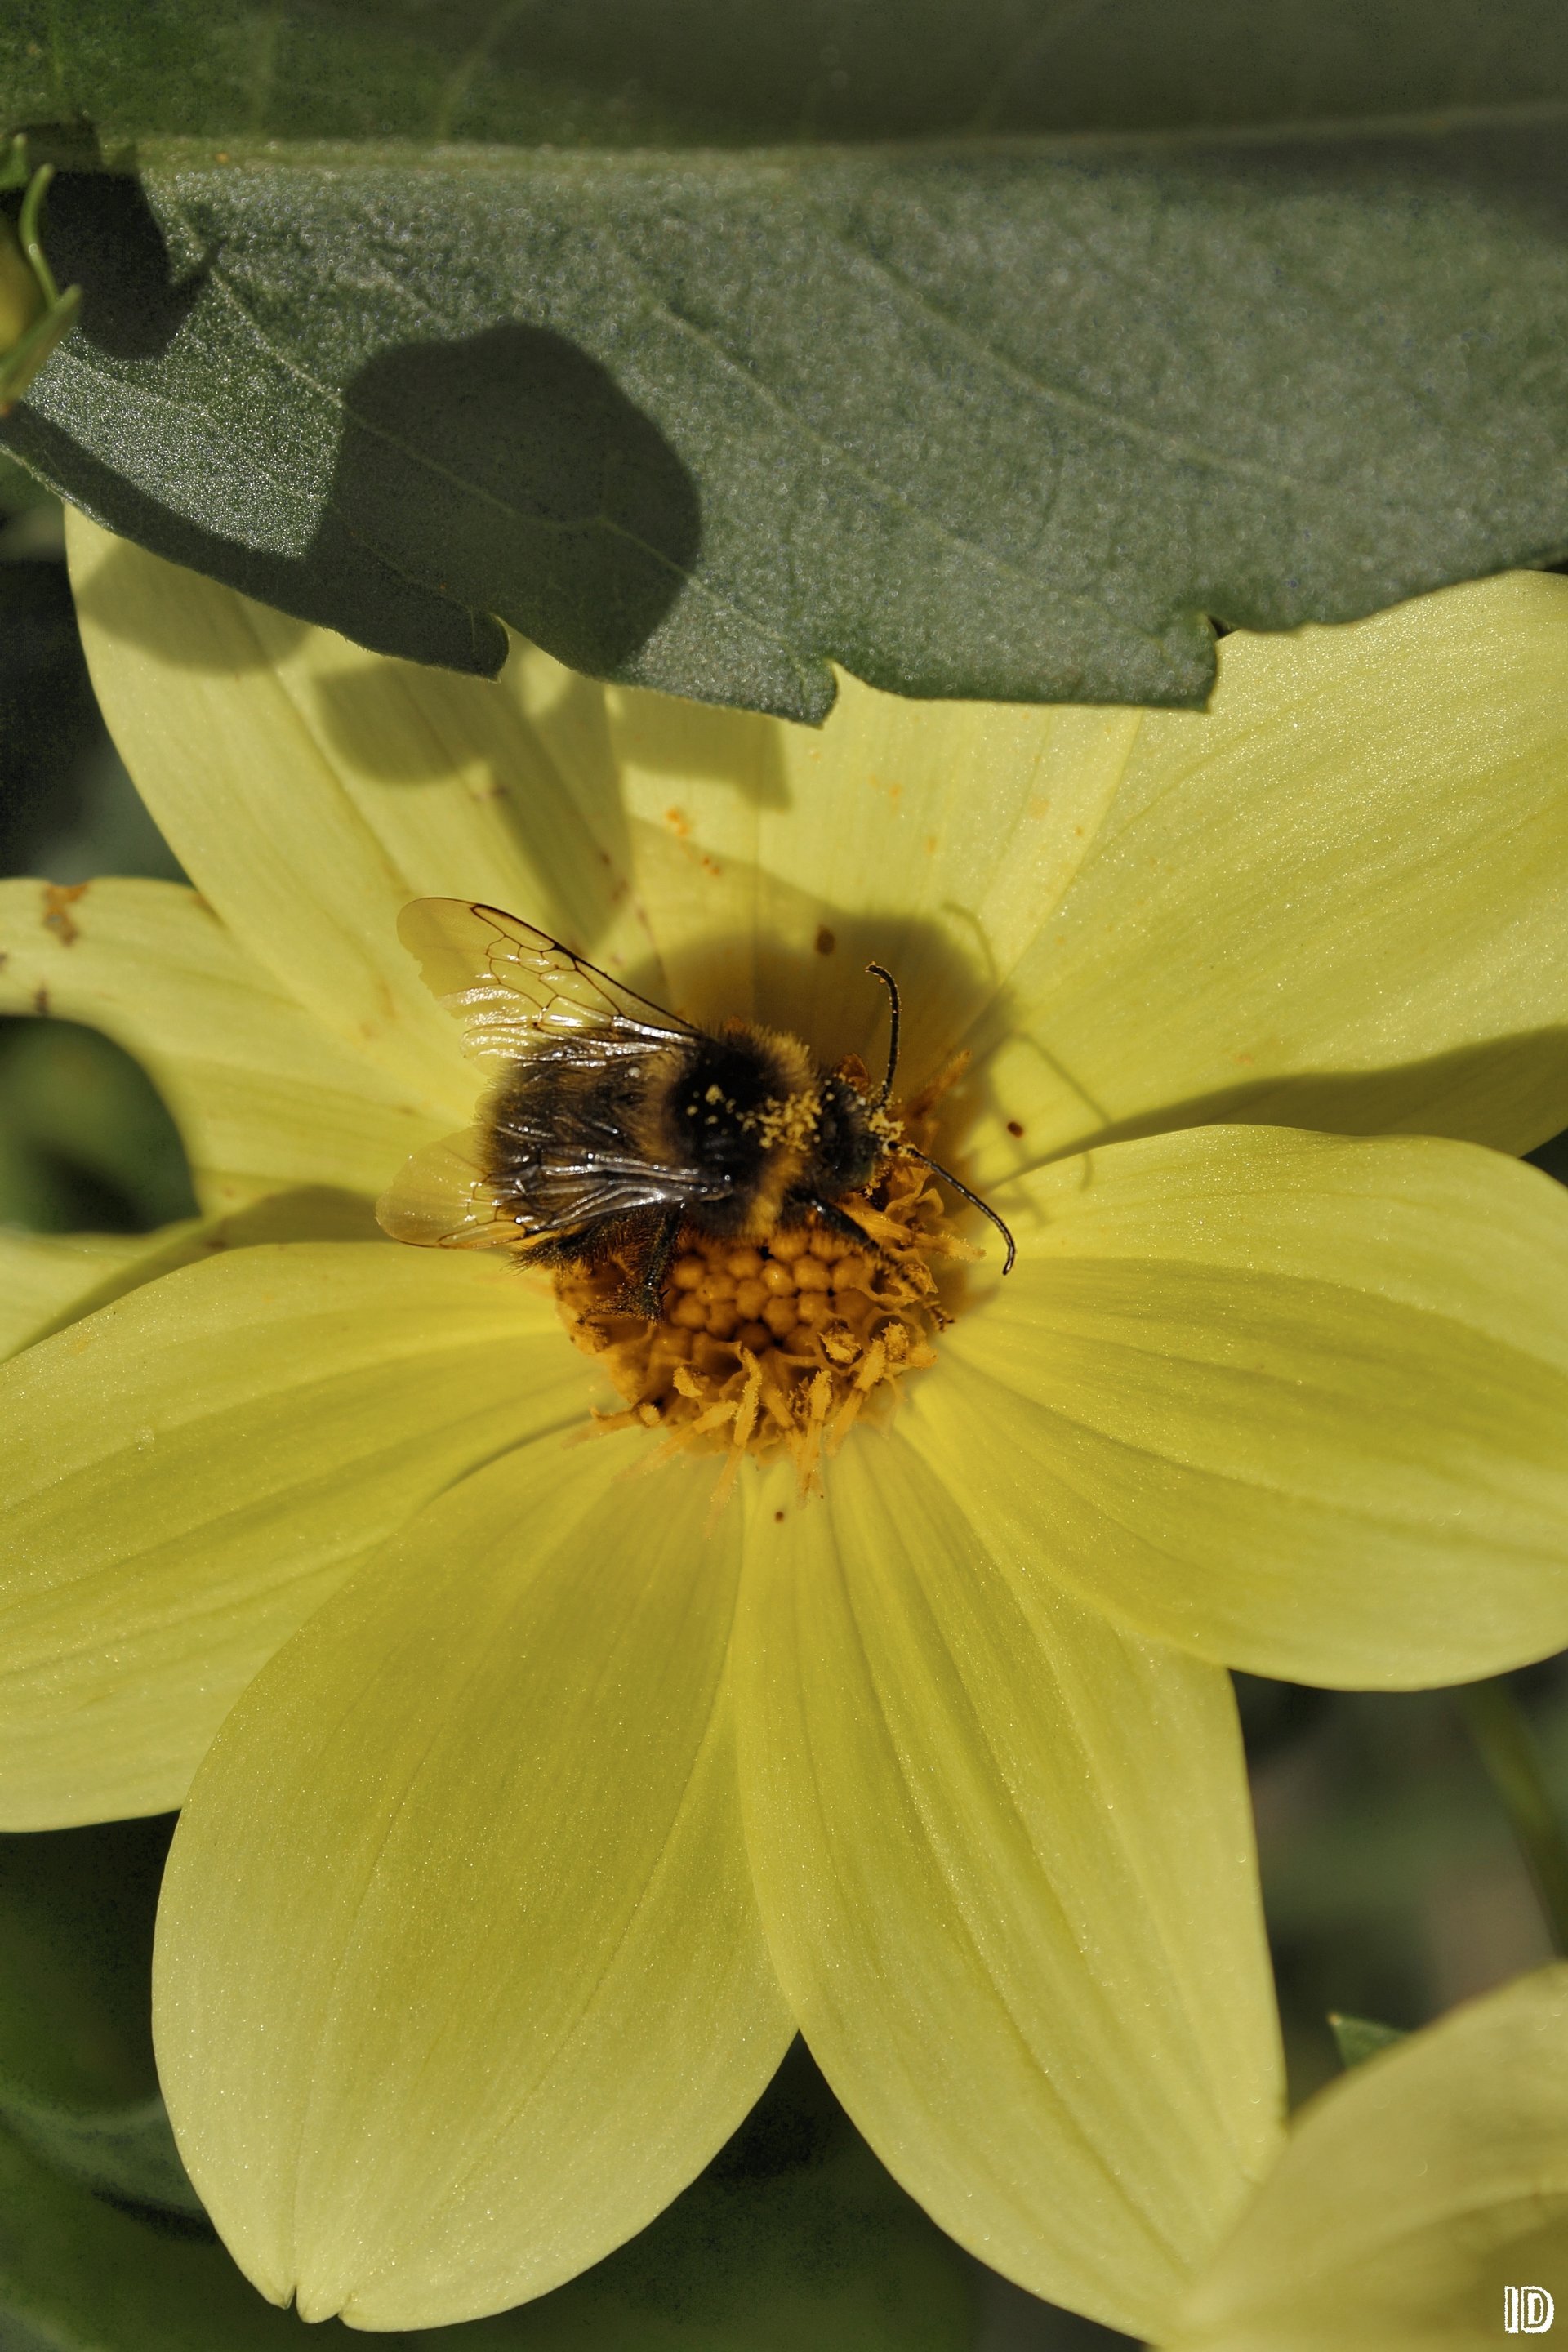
x: 849, y: 1148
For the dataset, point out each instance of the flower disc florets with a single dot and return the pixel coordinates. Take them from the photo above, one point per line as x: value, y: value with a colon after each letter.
x: 777, y: 1347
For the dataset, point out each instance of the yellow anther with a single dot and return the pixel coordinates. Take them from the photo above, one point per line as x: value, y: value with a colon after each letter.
x: 778, y: 1347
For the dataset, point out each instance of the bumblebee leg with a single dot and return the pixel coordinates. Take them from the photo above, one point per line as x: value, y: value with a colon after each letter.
x: 838, y: 1221
x: 645, y: 1295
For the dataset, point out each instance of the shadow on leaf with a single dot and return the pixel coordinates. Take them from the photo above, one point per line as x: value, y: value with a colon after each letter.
x: 502, y: 473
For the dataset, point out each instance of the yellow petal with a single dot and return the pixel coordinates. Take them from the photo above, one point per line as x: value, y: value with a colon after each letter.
x: 48, y: 1280
x: 44, y: 1276
x: 1295, y: 1402
x: 460, y: 1976
x: 1004, y: 1860
x: 1328, y: 901
x: 189, y: 1472
x: 1334, y: 900
x: 310, y: 789
x: 263, y: 1097
x: 1411, y: 2193
x: 773, y: 861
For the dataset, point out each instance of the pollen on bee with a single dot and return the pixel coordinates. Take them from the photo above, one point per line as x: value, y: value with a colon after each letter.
x: 777, y: 1347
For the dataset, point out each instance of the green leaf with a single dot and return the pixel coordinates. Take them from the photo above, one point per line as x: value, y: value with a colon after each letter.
x: 635, y: 73
x: 81, y: 2277
x: 1360, y: 2038
x: 1114, y: 319
x: 795, y: 2237
x: 122, y: 2152
x: 77, y: 2084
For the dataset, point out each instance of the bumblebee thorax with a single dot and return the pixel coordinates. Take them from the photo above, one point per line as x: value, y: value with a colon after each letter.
x: 731, y: 1104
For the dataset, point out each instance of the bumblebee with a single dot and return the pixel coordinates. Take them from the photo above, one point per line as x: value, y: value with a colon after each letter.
x: 611, y: 1126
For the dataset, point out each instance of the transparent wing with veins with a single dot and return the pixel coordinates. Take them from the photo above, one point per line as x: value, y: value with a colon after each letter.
x: 517, y: 990
x: 524, y: 999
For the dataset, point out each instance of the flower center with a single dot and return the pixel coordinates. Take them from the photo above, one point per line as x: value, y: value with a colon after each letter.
x: 780, y: 1347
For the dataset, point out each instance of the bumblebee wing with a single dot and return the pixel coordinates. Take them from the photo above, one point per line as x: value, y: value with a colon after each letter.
x: 445, y: 1197
x: 442, y: 1198
x: 545, y: 1160
x: 569, y: 1162
x: 518, y: 990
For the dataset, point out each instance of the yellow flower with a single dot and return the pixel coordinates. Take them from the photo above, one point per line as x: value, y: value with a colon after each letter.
x: 1412, y: 2195
x: 524, y: 1824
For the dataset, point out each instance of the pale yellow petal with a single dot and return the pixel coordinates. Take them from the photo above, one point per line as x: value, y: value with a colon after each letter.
x: 186, y: 1475
x: 1294, y: 1402
x: 1334, y: 900
x: 1004, y: 1860
x: 48, y: 1280
x: 459, y: 1975
x: 44, y: 1277
x: 310, y: 789
x: 265, y: 1098
x: 728, y: 862
x: 1411, y: 2194
x: 774, y: 861
x: 1328, y: 901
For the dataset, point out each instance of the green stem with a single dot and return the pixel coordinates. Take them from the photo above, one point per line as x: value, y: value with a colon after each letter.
x: 28, y: 228
x: 1505, y: 1746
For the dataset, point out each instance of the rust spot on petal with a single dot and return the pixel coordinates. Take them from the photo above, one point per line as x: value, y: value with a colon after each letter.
x: 57, y: 903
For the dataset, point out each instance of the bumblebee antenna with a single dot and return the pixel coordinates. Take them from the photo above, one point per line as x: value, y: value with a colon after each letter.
x: 908, y: 1151
x: 885, y: 977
